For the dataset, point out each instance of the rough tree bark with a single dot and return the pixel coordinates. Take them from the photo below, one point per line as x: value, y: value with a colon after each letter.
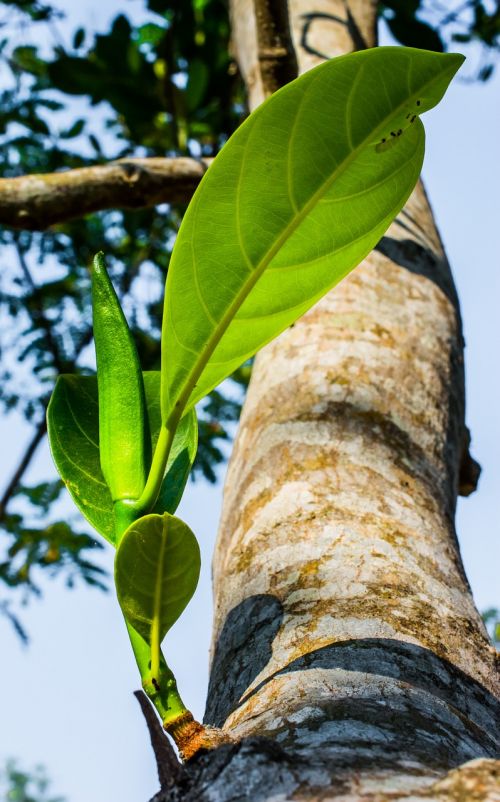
x: 349, y: 661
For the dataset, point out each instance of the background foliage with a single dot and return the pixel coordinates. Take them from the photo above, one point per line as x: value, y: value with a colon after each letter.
x: 19, y: 785
x: 167, y: 86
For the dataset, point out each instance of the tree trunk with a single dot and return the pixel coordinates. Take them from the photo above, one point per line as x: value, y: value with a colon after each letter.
x: 349, y: 661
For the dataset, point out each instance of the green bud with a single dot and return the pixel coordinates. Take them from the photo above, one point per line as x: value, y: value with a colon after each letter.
x: 123, y: 426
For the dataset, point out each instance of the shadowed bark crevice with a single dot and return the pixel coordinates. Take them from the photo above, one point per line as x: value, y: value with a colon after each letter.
x: 259, y: 770
x: 386, y: 729
x: 422, y: 260
x: 243, y: 650
x: 254, y: 769
x: 406, y: 662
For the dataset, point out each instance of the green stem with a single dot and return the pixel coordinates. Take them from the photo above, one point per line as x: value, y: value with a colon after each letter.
x: 162, y: 690
x: 147, y: 499
x: 124, y: 514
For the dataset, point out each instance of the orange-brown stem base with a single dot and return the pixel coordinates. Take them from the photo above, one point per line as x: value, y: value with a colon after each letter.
x: 190, y: 736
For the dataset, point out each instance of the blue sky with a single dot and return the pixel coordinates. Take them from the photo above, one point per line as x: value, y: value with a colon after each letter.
x: 66, y: 701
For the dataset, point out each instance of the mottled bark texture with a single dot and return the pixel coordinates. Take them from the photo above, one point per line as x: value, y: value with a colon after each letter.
x: 34, y: 202
x: 349, y: 659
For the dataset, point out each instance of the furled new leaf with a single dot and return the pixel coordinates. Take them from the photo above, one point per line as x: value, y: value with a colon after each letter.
x: 297, y: 197
x: 123, y: 435
x: 157, y: 566
x: 72, y: 420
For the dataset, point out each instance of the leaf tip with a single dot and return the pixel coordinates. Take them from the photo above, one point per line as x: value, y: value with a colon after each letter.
x: 99, y: 263
x: 455, y: 60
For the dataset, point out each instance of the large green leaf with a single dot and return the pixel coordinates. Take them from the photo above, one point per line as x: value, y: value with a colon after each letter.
x: 73, y: 427
x: 297, y: 197
x: 157, y: 566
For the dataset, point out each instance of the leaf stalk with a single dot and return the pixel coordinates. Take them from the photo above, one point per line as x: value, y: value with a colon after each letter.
x: 162, y: 688
x: 149, y: 495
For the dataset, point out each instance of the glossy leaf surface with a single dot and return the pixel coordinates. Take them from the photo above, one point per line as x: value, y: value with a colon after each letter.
x: 123, y: 435
x: 298, y: 196
x: 157, y: 566
x: 72, y: 420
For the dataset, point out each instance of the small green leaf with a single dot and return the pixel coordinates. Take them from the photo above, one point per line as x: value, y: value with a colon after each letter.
x: 123, y: 436
x: 297, y: 197
x: 157, y: 566
x: 73, y: 427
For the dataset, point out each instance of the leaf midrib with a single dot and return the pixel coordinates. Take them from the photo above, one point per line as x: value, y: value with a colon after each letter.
x: 261, y: 266
x: 156, y: 636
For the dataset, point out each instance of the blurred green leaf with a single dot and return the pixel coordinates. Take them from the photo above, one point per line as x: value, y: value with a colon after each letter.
x: 414, y: 33
x: 26, y: 58
x: 150, y: 34
x: 198, y: 79
x: 78, y: 38
x: 491, y: 618
x: 74, y: 130
x: 20, y: 785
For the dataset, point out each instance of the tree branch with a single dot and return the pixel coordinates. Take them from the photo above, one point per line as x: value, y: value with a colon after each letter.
x: 34, y: 202
x: 276, y: 54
